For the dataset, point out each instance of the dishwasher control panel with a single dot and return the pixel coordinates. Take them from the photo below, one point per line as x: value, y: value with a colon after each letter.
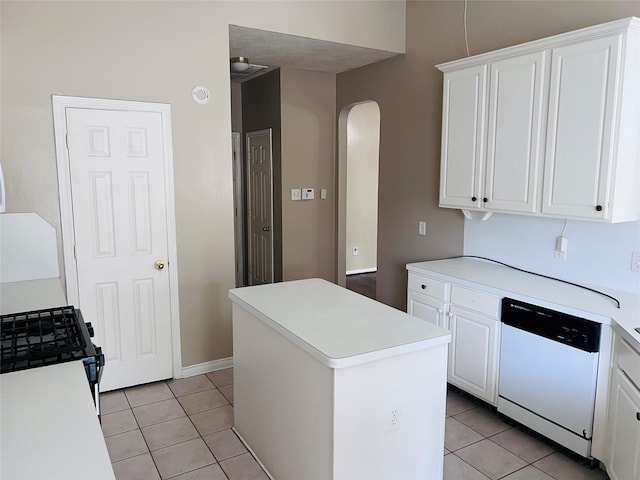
x: 561, y: 327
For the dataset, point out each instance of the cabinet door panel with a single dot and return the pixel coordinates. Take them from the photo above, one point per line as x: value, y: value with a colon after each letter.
x: 514, y: 144
x: 463, y: 137
x: 624, y: 462
x: 583, y: 89
x: 473, y: 353
x: 427, y: 309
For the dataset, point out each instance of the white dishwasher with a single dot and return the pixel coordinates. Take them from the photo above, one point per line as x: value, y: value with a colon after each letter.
x: 548, y: 372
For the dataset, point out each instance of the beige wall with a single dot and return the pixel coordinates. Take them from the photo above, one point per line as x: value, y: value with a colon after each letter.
x: 308, y: 153
x: 363, y: 147
x: 236, y: 107
x: 158, y: 51
x: 409, y: 92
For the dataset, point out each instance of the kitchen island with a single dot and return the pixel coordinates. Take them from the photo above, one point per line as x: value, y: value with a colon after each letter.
x: 48, y: 426
x: 331, y: 384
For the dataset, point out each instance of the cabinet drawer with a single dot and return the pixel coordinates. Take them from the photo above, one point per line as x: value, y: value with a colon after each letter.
x: 429, y: 286
x: 476, y: 301
x: 629, y: 362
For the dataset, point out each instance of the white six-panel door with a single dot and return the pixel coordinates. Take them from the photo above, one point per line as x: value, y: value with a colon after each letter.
x: 117, y: 179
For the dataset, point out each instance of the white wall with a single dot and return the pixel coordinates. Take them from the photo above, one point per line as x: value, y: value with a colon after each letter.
x: 598, y: 254
x: 363, y: 154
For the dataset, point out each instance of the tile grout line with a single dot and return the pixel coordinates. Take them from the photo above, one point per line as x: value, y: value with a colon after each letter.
x: 200, y: 436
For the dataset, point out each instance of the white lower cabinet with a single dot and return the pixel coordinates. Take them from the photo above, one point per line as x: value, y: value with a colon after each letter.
x: 429, y: 309
x: 473, y: 353
x: 473, y: 319
x: 624, y: 415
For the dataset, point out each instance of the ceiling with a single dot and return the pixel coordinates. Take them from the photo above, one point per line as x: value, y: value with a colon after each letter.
x: 275, y: 50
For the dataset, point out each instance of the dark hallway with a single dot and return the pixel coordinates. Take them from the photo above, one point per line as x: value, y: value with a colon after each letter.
x: 363, y: 283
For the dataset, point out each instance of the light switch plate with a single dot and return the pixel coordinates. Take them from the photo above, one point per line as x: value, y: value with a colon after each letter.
x: 307, y: 194
x: 323, y: 194
x: 296, y: 194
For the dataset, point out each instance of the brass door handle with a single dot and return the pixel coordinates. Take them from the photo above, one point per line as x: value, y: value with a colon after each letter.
x: 159, y: 265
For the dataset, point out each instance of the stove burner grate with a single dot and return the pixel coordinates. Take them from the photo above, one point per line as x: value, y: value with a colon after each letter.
x: 43, y: 337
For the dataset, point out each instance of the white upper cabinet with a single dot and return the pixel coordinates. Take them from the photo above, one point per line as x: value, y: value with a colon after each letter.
x: 585, y: 88
x: 560, y: 133
x: 463, y: 127
x: 514, y: 145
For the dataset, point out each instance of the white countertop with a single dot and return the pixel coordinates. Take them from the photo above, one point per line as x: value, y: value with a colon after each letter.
x: 338, y: 327
x: 498, y: 279
x: 48, y: 426
x: 31, y: 295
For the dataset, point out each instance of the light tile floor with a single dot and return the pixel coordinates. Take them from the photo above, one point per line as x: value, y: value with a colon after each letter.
x: 480, y: 445
x: 181, y: 429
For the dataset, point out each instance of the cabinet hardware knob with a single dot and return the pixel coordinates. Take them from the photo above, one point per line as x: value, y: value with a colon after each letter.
x: 638, y: 416
x: 473, y: 199
x: 485, y: 199
x: 423, y: 286
x: 599, y: 208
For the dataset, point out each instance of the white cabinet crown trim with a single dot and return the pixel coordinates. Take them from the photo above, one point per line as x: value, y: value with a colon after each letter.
x: 629, y: 24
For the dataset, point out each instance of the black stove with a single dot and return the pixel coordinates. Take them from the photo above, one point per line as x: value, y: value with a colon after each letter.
x: 47, y: 337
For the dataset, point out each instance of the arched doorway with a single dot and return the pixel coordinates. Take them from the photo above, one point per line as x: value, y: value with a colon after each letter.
x: 358, y: 160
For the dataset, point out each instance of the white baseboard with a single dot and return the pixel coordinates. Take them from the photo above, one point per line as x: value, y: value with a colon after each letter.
x: 362, y: 270
x: 207, y: 367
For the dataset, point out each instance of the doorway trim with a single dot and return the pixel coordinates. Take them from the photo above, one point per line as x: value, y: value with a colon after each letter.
x: 239, y: 208
x: 60, y: 104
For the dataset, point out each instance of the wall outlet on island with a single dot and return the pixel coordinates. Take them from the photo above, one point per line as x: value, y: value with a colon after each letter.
x: 393, y: 417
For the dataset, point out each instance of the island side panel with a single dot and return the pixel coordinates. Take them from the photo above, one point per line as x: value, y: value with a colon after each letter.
x: 364, y: 446
x: 283, y: 401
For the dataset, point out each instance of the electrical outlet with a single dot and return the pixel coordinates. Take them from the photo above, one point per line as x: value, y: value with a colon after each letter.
x: 393, y: 418
x: 422, y: 228
x: 635, y: 261
x: 561, y: 248
x: 355, y: 251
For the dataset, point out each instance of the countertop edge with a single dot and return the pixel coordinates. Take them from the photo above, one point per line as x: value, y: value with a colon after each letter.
x: 605, y: 316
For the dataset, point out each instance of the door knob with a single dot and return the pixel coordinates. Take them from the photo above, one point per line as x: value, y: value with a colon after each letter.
x: 159, y: 265
x: 265, y: 229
